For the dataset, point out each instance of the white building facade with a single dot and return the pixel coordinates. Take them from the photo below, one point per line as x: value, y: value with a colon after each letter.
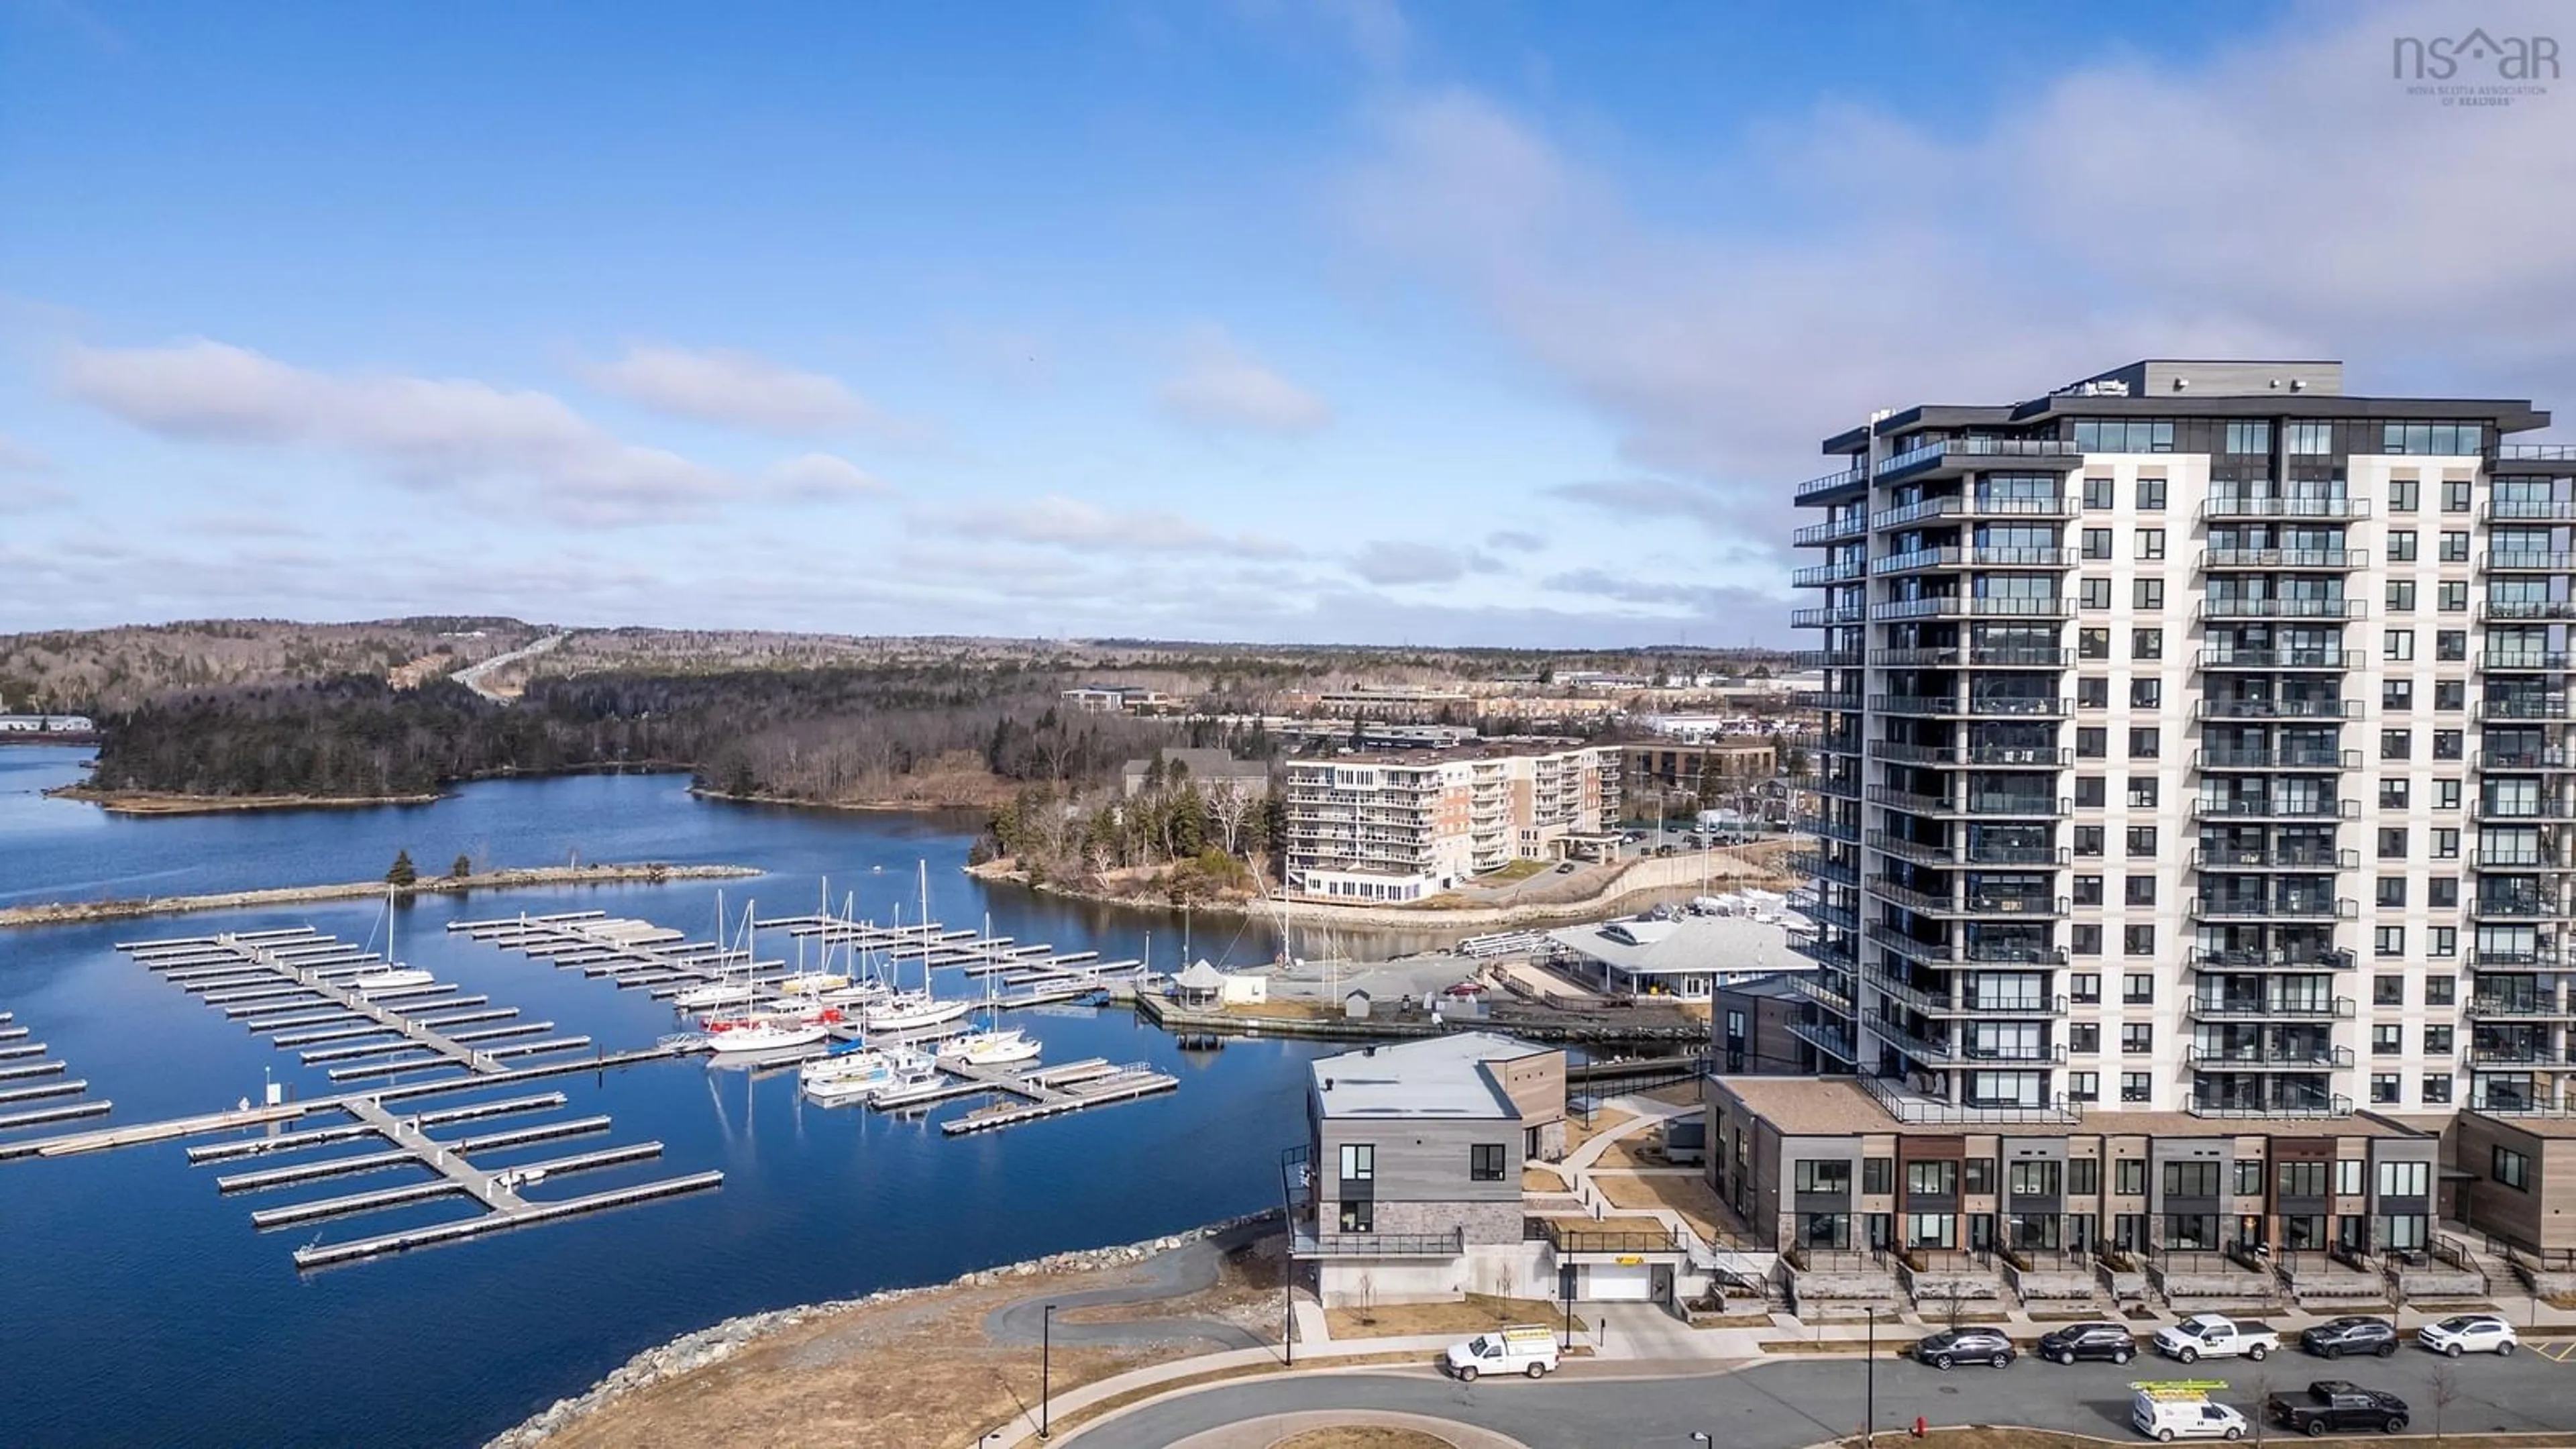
x: 1403, y: 827
x: 2195, y: 739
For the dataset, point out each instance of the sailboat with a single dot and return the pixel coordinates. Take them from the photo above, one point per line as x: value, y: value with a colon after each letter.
x: 914, y: 1010
x: 395, y: 976
x: 719, y: 992
x: 991, y: 1046
x: 819, y: 981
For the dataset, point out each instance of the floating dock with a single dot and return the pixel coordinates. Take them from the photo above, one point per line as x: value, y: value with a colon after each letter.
x: 33, y: 1085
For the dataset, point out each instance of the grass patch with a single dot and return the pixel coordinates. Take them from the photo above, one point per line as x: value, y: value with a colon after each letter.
x: 1519, y: 870
x: 1688, y: 1195
x: 1541, y: 1179
x: 1478, y: 1312
x: 1608, y: 1119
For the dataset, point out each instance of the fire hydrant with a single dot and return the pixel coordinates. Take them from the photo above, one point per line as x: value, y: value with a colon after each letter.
x: 1920, y: 1428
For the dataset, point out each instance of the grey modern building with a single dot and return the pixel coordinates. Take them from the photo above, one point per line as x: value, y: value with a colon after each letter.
x: 2195, y: 740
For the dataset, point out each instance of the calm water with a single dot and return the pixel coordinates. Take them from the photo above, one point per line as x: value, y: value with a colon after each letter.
x: 141, y: 1308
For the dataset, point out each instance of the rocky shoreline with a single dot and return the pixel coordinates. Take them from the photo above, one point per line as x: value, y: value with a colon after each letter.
x: 712, y: 1345
x: 60, y: 913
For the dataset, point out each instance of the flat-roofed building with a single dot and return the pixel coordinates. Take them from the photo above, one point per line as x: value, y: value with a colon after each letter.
x: 1402, y: 826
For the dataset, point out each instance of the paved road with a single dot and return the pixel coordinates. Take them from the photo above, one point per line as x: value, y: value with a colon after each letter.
x: 1184, y: 1270
x: 1784, y: 1405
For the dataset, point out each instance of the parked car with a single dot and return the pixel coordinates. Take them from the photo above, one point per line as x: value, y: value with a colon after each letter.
x: 2332, y: 1406
x: 1966, y: 1345
x: 1566, y: 869
x: 2182, y: 1411
x: 2469, y: 1333
x: 2105, y: 1341
x: 2214, y: 1335
x: 1524, y: 1348
x: 2337, y: 1337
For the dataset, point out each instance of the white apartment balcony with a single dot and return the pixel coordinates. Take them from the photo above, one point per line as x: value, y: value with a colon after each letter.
x: 1958, y: 606
x: 1830, y: 484
x: 1952, y: 457
x: 2270, y: 560
x: 2533, y: 459
x: 2267, y: 661
x: 1923, y: 560
x: 2238, y: 607
x: 2233, y: 506
x: 1966, y: 506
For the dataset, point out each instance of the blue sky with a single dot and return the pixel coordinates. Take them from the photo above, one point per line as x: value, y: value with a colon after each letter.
x: 1246, y: 319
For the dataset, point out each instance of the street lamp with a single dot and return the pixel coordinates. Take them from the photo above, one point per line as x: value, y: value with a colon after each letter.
x: 1046, y: 1365
x: 1869, y: 1377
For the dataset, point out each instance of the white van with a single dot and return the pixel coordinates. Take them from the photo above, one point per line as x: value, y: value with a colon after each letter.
x: 1524, y: 1348
x: 2166, y: 1412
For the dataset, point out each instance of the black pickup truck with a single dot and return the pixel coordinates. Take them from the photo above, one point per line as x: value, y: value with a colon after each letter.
x: 2335, y: 1407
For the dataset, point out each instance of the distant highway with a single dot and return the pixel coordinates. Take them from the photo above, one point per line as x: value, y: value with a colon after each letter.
x: 473, y: 678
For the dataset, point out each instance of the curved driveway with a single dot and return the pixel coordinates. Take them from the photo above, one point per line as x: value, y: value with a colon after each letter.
x: 1782, y: 1405
x: 1184, y: 1270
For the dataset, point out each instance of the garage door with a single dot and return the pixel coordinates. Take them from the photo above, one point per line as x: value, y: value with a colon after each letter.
x: 1611, y: 1283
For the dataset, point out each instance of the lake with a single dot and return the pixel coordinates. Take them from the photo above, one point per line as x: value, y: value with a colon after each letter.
x: 142, y: 1308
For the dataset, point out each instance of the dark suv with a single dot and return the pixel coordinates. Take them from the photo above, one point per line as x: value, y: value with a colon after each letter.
x: 2088, y: 1340
x: 2337, y: 1337
x: 1966, y: 1345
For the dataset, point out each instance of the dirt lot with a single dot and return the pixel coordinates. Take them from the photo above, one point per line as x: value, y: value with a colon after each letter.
x: 1479, y: 1312
x: 1686, y: 1193
x: 856, y: 1380
x: 1608, y: 1119
x: 1368, y: 1436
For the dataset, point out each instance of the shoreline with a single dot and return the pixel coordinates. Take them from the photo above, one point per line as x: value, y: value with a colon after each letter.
x: 862, y: 807
x: 157, y: 802
x: 64, y: 913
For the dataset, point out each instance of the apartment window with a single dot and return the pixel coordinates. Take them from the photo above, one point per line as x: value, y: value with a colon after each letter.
x: 2437, y: 1089
x: 2142, y: 842
x: 2387, y: 1040
x: 2084, y: 1174
x: 2441, y: 990
x: 2446, y: 939
x: 2385, y: 1088
x: 2142, y: 788
x: 1359, y: 1161
x: 2449, y: 744
x: 2094, y: 593
x: 2151, y: 495
x: 2129, y: 1177
x: 2147, y: 593
x: 2392, y: 794
x: 2401, y: 495
x: 2092, y: 643
x: 2092, y: 742
x: 2511, y: 1168
x: 2249, y: 1177
x: 1939, y: 1178
x: 2401, y: 596
x: 2137, y: 1087
x: 2446, y: 845
x: 2455, y: 495
x: 2452, y: 596
x: 2146, y: 643
x: 2388, y: 991
x: 2350, y: 1176
x: 2388, y: 941
x: 2089, y: 792
x: 2401, y: 545
x: 2191, y: 1179
x: 2146, y: 693
x: 2397, y: 644
x: 2146, y: 744
x: 2437, y: 1041
x: 1878, y: 1176
x: 2392, y: 892
x: 2088, y: 890
x: 1485, y: 1162
x: 2139, y: 890
x: 2303, y: 1179
x: 2405, y: 1179
x: 2455, y: 547
x: 2084, y: 988
x: 2450, y: 694
x: 2097, y: 543
x: 2084, y: 1086
x: 2446, y: 794
x: 2092, y: 692
x: 2088, y: 840
x: 1823, y: 1174
x: 2396, y: 694
x: 2124, y: 435
x: 1359, y: 1215
x: 2151, y: 543
x: 2084, y: 1038
x: 2392, y: 842
x: 2138, y: 988
x: 2137, y: 940
x: 2087, y: 941
x: 2097, y: 493
x: 2396, y: 744
x: 2249, y: 437
x: 1978, y: 1176
x: 2451, y: 645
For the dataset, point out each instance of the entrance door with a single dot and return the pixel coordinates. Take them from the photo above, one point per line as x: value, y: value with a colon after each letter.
x: 1663, y: 1284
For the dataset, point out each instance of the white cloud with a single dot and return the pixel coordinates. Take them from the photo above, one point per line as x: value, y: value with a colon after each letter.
x: 1221, y: 385
x: 17, y: 457
x: 725, y: 385
x: 504, y: 446
x: 822, y: 475
x: 1388, y: 563
x: 1083, y: 527
x: 1515, y: 540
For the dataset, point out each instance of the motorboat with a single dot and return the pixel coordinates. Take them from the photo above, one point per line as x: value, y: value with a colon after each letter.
x: 992, y: 1048
x: 398, y: 978
x: 847, y: 1076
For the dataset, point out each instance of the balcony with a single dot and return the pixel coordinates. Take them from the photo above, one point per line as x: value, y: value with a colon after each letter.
x: 1824, y: 867
x: 2201, y: 1007
x: 1823, y: 953
x: 2244, y: 608
x: 2538, y: 859
x: 1622, y: 1243
x: 2524, y: 1055
x: 1851, y: 527
x: 2525, y: 661
x: 2337, y: 909
x: 2270, y: 959
x: 1830, y: 484
x: 2539, y: 906
x: 1837, y: 700
x: 2543, y: 811
x: 2337, y: 560
x: 1925, y: 559
x: 2525, y: 561
x: 2317, y: 1110
x: 2518, y: 1008
x: 1829, y: 828
x: 2531, y: 510
x: 1909, y: 1107
x: 2239, y: 708
x: 1828, y: 658
x: 2283, y: 759
x: 1832, y: 1041
x: 1346, y: 1246
x: 1975, y: 953
x: 2533, y: 760
x: 2544, y: 706
x: 1928, y: 903
x: 2268, y: 660
x: 1958, y: 606
x: 2326, y: 508
x: 2015, y: 757
x: 2532, y: 458
x: 1949, y: 456
x: 2526, y: 611
x: 2275, y: 809
x: 1828, y: 615
x: 2220, y: 861
x: 1962, y: 1053
x: 1832, y: 573
x: 2274, y: 1058
x: 2545, y: 957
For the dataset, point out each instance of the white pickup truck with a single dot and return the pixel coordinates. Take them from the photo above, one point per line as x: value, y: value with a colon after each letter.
x: 2212, y: 1335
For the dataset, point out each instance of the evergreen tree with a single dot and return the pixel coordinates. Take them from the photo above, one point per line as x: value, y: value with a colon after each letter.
x: 402, y: 873
x: 463, y: 867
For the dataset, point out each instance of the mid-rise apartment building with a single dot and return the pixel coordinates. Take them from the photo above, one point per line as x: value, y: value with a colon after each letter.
x: 1402, y: 826
x: 2196, y: 739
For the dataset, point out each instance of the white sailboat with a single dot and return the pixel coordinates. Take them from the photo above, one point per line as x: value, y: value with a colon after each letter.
x: 991, y: 1046
x: 767, y: 1035
x: 395, y: 976
x: 720, y: 992
x: 907, y: 1011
